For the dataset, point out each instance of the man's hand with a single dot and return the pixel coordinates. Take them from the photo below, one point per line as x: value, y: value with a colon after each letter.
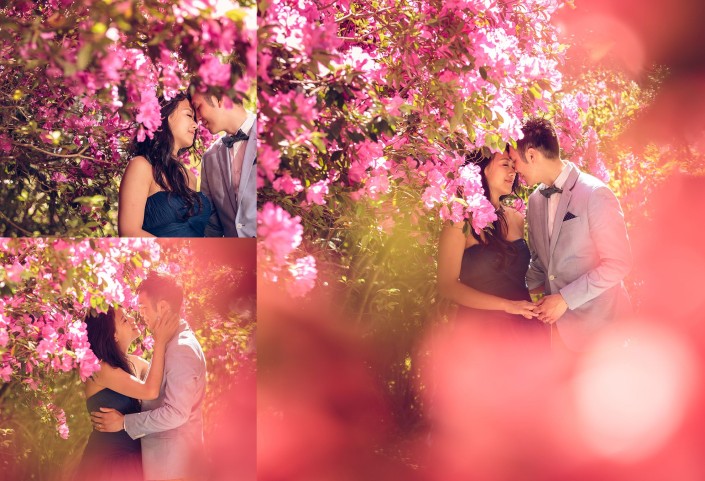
x: 550, y: 308
x: 107, y: 420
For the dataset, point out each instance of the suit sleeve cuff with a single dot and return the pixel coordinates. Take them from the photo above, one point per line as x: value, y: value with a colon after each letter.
x: 573, y: 300
x: 129, y: 427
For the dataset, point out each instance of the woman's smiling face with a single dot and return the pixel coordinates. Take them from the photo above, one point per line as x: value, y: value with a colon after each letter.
x: 500, y: 174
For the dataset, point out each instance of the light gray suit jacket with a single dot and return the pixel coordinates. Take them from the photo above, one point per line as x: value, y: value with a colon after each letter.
x: 233, y: 215
x: 587, y: 257
x: 171, y: 426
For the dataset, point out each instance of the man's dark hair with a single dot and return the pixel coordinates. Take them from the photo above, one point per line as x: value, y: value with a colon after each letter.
x: 194, y: 87
x: 541, y: 135
x: 162, y: 287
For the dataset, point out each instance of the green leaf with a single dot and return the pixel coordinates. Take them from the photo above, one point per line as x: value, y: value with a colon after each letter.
x: 535, y: 91
x: 458, y: 112
x: 318, y: 142
x: 91, y: 200
x: 84, y: 56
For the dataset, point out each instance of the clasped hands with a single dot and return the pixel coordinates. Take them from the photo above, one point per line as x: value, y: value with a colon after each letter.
x: 548, y: 309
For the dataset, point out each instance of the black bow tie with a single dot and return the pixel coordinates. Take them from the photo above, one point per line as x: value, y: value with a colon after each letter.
x: 549, y: 191
x: 229, y: 140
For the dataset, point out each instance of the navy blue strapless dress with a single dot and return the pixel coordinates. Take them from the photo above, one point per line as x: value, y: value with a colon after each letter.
x: 482, y: 269
x: 111, y: 456
x: 165, y: 215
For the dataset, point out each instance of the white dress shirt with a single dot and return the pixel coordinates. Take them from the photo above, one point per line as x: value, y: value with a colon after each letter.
x: 239, y: 148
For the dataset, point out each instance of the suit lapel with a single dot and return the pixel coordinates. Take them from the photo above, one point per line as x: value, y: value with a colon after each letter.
x: 538, y: 224
x: 248, y: 160
x: 542, y: 222
x: 563, y: 205
x: 226, y: 165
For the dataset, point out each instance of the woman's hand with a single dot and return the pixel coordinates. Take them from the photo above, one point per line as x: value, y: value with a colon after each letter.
x: 522, y: 308
x: 165, y: 327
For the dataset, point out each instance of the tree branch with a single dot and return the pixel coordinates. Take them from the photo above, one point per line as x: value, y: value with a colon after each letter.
x: 65, y: 156
x: 25, y: 232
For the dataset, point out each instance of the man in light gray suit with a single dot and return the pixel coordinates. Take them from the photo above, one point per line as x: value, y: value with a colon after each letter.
x: 580, y: 250
x: 229, y: 172
x: 171, y: 426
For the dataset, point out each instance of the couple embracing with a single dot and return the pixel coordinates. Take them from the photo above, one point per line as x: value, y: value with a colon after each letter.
x: 147, y: 417
x: 158, y: 194
x: 577, y: 256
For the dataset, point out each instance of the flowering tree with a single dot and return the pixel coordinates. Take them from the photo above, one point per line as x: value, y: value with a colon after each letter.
x: 78, y: 81
x: 50, y: 286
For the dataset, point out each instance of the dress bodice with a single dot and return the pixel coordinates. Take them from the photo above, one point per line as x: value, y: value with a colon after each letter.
x: 108, y: 398
x: 111, y: 456
x: 165, y: 215
x: 482, y: 269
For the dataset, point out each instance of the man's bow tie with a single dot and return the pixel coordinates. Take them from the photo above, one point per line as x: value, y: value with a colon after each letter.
x: 549, y: 191
x: 229, y: 140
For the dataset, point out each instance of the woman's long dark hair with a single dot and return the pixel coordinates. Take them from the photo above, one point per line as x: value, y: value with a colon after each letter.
x: 495, y: 237
x: 170, y: 174
x: 101, y: 336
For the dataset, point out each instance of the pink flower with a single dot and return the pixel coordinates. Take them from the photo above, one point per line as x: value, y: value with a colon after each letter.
x: 63, y: 430
x: 6, y: 373
x: 316, y: 193
x: 288, y: 184
x: 303, y: 273
x: 268, y: 161
x: 280, y: 233
x: 87, y: 363
x: 520, y: 206
x: 148, y: 343
x: 14, y: 272
x: 111, y: 64
x: 483, y: 215
x: 148, y: 112
x: 214, y: 73
x: 5, y: 143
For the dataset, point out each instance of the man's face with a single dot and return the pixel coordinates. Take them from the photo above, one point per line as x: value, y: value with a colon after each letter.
x: 147, y: 309
x: 207, y: 114
x: 521, y: 166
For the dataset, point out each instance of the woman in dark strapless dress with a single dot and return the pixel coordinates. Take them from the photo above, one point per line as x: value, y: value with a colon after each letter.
x: 485, y: 273
x: 158, y: 194
x: 121, y: 382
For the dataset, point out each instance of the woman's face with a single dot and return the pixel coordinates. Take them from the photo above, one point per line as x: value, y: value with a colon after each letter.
x: 500, y: 174
x: 183, y: 125
x: 126, y: 329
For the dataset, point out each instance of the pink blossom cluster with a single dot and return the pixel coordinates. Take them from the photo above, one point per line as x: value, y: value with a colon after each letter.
x: 281, y: 235
x: 578, y: 139
x: 60, y: 416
